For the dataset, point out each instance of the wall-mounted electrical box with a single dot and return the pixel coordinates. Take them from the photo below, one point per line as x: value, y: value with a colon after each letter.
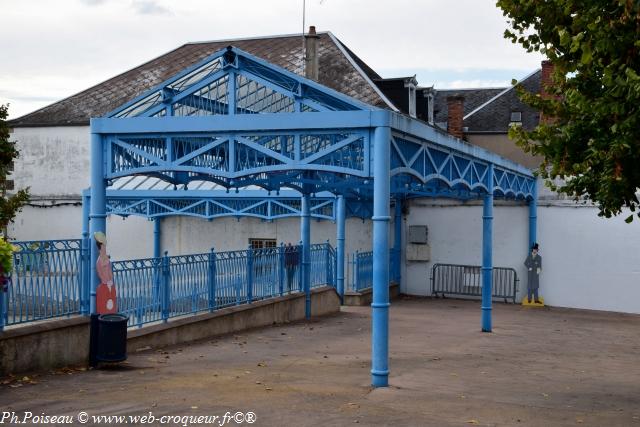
x: 417, y: 243
x: 418, y: 234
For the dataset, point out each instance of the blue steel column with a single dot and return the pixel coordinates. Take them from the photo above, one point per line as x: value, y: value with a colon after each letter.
x: 487, y: 255
x: 380, y: 304
x: 85, y: 242
x: 340, y: 238
x: 397, y: 240
x: 98, y: 207
x: 157, y: 230
x: 305, y: 237
x: 533, y: 216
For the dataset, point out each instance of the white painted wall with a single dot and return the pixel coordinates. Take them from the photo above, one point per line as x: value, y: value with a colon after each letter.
x: 184, y: 235
x: 130, y: 238
x: 455, y: 237
x: 588, y: 262
x: 54, y: 161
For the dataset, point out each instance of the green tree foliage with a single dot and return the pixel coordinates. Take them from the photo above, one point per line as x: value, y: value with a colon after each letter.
x: 591, y: 140
x: 10, y: 205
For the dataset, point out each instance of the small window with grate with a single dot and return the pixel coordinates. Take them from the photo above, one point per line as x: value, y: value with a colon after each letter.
x: 516, y: 116
x: 262, y: 243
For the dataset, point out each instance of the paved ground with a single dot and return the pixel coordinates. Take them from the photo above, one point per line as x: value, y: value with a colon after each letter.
x: 540, y: 367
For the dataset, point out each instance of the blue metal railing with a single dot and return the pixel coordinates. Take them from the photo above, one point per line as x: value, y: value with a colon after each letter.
x: 157, y: 289
x: 51, y: 278
x: 360, y: 275
x: 46, y: 281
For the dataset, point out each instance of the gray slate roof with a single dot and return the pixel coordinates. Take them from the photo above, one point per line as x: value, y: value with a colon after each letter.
x: 337, y: 71
x: 497, y: 105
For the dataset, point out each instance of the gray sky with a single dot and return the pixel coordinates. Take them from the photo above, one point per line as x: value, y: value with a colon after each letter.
x: 53, y: 49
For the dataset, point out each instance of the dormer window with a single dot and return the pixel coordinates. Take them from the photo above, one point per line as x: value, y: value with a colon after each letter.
x: 411, y: 83
x: 412, y: 101
x: 516, y: 117
x: 430, y: 108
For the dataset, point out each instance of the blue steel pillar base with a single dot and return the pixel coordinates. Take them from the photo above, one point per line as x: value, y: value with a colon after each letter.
x: 380, y: 314
x: 486, y: 319
x: 381, y: 219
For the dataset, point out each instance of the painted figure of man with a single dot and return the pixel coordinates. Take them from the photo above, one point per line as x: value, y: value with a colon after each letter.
x: 534, y: 267
x: 106, y: 292
x: 290, y: 263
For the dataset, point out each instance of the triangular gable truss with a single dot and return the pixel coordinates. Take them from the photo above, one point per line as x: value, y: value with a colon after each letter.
x: 232, y: 81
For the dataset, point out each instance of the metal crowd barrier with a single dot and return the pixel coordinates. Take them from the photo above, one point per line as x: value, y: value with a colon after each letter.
x: 466, y: 280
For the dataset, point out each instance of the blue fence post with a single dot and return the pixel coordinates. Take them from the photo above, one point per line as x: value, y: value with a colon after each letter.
x: 3, y: 309
x: 327, y: 259
x: 356, y: 269
x: 166, y: 287
x: 281, y: 268
x: 250, y: 275
x: 85, y: 257
x: 84, y: 268
x: 300, y: 269
x: 211, y: 279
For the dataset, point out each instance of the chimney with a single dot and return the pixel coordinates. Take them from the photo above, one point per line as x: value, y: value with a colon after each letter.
x: 546, y: 82
x: 311, y: 54
x: 455, y: 108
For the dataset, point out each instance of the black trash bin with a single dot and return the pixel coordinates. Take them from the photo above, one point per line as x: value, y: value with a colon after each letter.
x: 112, y: 338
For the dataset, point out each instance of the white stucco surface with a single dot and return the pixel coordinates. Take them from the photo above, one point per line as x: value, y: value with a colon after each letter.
x: 53, y: 161
x: 588, y: 262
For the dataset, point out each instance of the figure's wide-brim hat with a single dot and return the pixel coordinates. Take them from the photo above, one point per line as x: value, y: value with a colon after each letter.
x: 534, y: 246
x: 100, y: 237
